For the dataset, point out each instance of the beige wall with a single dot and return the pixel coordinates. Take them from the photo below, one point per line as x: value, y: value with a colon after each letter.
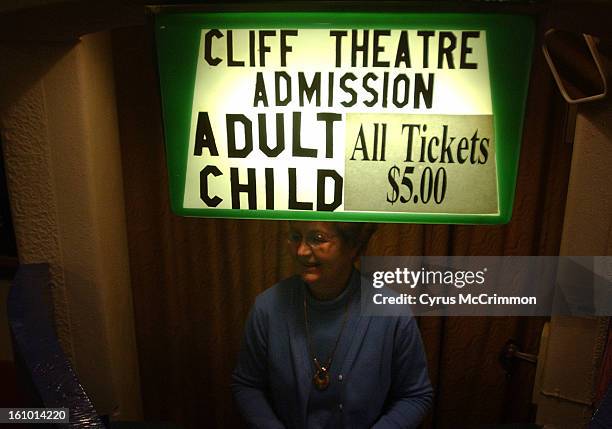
x: 568, y: 373
x: 61, y: 147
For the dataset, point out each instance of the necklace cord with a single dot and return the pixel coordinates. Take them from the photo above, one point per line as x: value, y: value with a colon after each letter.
x: 328, y: 361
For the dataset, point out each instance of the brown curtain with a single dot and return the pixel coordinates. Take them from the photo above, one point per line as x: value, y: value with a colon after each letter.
x: 194, y: 280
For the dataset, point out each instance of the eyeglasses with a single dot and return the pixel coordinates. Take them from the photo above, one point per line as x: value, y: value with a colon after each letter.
x: 315, y: 240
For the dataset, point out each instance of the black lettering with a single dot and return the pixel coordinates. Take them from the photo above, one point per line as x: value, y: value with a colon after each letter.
x: 204, y: 137
x: 447, y: 147
x: 251, y: 48
x: 347, y: 90
x: 368, y: 88
x: 263, y: 138
x: 473, y: 150
x: 433, y: 141
x: 309, y: 90
x: 411, y: 128
x: 263, y: 48
x: 403, y: 50
x: 230, y: 122
x: 423, y: 145
x: 330, y: 89
x: 329, y: 119
x: 484, y: 150
x: 401, y: 78
x: 363, y: 147
x: 277, y: 82
x: 363, y: 48
x: 298, y: 150
x: 208, y: 47
x: 322, y: 206
x: 446, y: 50
x: 294, y: 204
x: 379, y: 49
x: 425, y: 35
x: 269, y: 188
x: 260, y: 91
x: 422, y: 91
x: 385, y: 89
x: 338, y: 35
x: 383, y: 141
x: 284, y: 48
x: 237, y: 188
x: 204, y: 196
x: 462, y: 147
x: 230, y: 52
x: 465, y: 49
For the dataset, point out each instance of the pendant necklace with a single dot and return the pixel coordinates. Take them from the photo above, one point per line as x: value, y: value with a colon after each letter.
x: 321, y: 375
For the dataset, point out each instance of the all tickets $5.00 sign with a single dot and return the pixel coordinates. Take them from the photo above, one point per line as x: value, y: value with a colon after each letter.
x: 354, y: 117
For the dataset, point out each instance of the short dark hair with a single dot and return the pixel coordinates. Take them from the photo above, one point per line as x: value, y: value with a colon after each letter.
x: 355, y: 234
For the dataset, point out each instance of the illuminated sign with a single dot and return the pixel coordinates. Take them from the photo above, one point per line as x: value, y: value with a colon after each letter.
x: 357, y: 117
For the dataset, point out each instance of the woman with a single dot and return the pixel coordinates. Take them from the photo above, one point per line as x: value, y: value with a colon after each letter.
x: 310, y: 359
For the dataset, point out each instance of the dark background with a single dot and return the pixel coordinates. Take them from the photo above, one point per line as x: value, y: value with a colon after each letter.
x: 194, y: 280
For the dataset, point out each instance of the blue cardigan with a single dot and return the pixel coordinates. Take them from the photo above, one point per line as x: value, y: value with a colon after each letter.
x: 383, y: 378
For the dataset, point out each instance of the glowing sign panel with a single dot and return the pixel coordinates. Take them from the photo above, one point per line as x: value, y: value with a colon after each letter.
x: 387, y: 122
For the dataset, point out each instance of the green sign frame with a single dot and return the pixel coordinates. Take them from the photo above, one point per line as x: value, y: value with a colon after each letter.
x: 510, y: 40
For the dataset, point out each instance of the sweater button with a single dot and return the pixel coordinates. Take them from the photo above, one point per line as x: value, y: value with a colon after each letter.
x: 340, y: 377
x: 340, y: 407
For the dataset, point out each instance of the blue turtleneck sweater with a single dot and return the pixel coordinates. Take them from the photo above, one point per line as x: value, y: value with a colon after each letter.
x: 325, y: 323
x: 378, y: 373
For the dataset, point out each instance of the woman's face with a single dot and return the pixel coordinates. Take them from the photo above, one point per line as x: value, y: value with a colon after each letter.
x: 322, y: 257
